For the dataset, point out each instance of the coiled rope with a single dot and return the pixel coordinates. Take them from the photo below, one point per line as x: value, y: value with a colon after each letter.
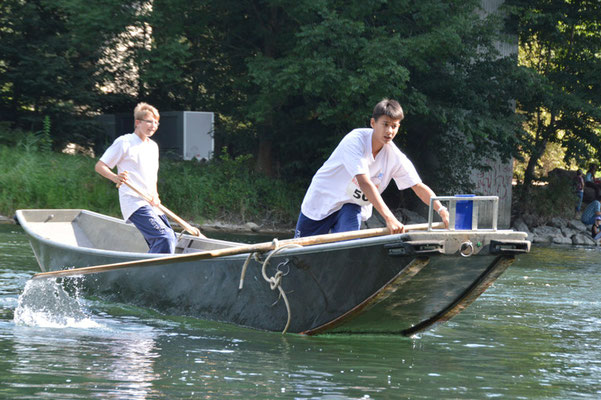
x: 274, y: 281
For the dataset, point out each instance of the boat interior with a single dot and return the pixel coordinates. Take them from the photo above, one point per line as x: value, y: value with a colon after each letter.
x: 87, y: 229
x: 83, y: 228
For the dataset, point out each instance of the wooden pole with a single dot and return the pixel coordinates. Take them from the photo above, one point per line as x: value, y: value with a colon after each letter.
x: 259, y: 247
x: 192, y: 230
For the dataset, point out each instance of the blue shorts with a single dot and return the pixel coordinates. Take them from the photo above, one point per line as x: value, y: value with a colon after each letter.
x: 156, y: 230
x: 590, y: 212
x: 348, y: 218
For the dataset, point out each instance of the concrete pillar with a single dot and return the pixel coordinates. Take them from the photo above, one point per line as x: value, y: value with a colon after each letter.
x: 498, y: 180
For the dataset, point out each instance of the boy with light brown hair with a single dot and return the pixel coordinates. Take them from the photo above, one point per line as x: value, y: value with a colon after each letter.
x: 136, y: 157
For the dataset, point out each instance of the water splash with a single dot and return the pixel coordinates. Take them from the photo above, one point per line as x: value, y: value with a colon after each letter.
x: 47, y: 303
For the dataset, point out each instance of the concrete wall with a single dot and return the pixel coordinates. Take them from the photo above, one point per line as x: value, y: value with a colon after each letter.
x: 497, y: 181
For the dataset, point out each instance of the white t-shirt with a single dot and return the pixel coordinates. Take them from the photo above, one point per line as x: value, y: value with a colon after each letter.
x: 335, y: 184
x: 141, y: 161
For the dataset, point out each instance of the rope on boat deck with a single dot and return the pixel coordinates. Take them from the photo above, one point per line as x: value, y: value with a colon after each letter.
x: 274, y: 281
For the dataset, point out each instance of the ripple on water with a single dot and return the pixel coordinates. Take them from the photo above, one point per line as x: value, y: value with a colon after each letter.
x: 534, y: 334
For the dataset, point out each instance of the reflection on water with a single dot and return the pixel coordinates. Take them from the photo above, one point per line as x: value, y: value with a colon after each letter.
x: 535, y: 334
x: 128, y: 348
x: 112, y: 359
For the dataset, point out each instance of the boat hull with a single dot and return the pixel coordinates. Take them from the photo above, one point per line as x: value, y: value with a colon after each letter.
x: 396, y: 284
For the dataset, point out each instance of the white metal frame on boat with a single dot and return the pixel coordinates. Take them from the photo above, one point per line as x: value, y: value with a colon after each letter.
x: 452, y: 201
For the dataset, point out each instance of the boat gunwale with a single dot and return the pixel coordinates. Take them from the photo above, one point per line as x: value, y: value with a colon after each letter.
x: 377, y: 240
x: 287, y: 251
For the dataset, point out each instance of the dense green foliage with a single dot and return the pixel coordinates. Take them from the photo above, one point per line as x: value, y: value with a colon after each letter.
x: 560, y: 52
x: 437, y: 58
x: 287, y: 79
x: 228, y: 189
x: 543, y: 203
x: 33, y: 179
x: 225, y: 190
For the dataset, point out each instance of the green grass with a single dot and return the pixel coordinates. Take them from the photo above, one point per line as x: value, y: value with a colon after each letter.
x: 225, y: 189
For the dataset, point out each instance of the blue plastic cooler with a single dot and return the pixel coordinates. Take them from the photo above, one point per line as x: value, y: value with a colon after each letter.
x: 464, y: 213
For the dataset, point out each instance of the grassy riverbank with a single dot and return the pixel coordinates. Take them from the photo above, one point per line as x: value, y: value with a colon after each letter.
x: 226, y: 189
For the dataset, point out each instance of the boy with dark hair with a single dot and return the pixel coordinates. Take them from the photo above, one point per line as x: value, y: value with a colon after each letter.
x: 351, y: 181
x: 137, y: 159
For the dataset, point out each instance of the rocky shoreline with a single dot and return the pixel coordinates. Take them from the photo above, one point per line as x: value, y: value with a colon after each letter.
x: 247, y: 228
x: 557, y: 231
x: 7, y: 220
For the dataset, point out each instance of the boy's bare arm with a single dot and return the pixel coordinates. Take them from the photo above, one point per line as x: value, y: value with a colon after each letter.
x: 105, y: 171
x: 424, y: 192
x: 371, y: 192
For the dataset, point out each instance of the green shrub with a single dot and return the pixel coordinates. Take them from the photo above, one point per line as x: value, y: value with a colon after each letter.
x: 544, y: 202
x: 224, y: 189
x: 227, y: 189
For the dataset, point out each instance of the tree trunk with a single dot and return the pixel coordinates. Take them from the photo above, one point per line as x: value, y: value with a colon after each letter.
x: 532, y: 162
x: 545, y: 132
x: 264, y: 157
x: 271, y: 25
x: 536, y: 155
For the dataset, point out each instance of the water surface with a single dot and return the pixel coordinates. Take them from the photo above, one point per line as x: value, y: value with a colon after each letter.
x: 535, y: 334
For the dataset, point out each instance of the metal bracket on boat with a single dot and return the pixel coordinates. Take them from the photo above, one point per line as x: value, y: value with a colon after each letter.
x: 509, y: 246
x: 466, y: 249
x: 181, y: 234
x: 412, y: 247
x: 475, y: 201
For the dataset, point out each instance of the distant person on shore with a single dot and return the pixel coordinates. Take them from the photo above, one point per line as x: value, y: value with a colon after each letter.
x: 137, y: 159
x: 579, y: 189
x: 591, y: 212
x: 590, y: 180
x: 596, y: 229
x: 349, y: 184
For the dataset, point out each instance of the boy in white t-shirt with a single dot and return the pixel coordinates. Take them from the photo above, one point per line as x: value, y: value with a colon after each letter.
x: 137, y: 159
x: 351, y: 181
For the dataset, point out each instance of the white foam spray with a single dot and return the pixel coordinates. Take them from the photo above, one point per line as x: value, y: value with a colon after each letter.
x: 46, y: 303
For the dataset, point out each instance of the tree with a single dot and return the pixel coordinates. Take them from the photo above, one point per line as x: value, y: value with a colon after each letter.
x: 286, y: 78
x: 560, y: 55
x: 437, y: 58
x: 54, y: 64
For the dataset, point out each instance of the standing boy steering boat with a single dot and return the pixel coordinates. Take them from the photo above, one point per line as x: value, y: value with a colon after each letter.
x: 349, y: 184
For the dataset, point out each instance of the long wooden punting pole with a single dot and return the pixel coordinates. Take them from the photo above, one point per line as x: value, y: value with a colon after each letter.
x: 230, y: 251
x: 189, y: 228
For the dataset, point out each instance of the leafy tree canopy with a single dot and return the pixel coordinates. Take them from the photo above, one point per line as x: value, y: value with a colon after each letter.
x: 560, y: 55
x: 287, y: 79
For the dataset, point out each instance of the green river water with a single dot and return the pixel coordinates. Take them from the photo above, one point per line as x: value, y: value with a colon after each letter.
x: 535, y: 334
